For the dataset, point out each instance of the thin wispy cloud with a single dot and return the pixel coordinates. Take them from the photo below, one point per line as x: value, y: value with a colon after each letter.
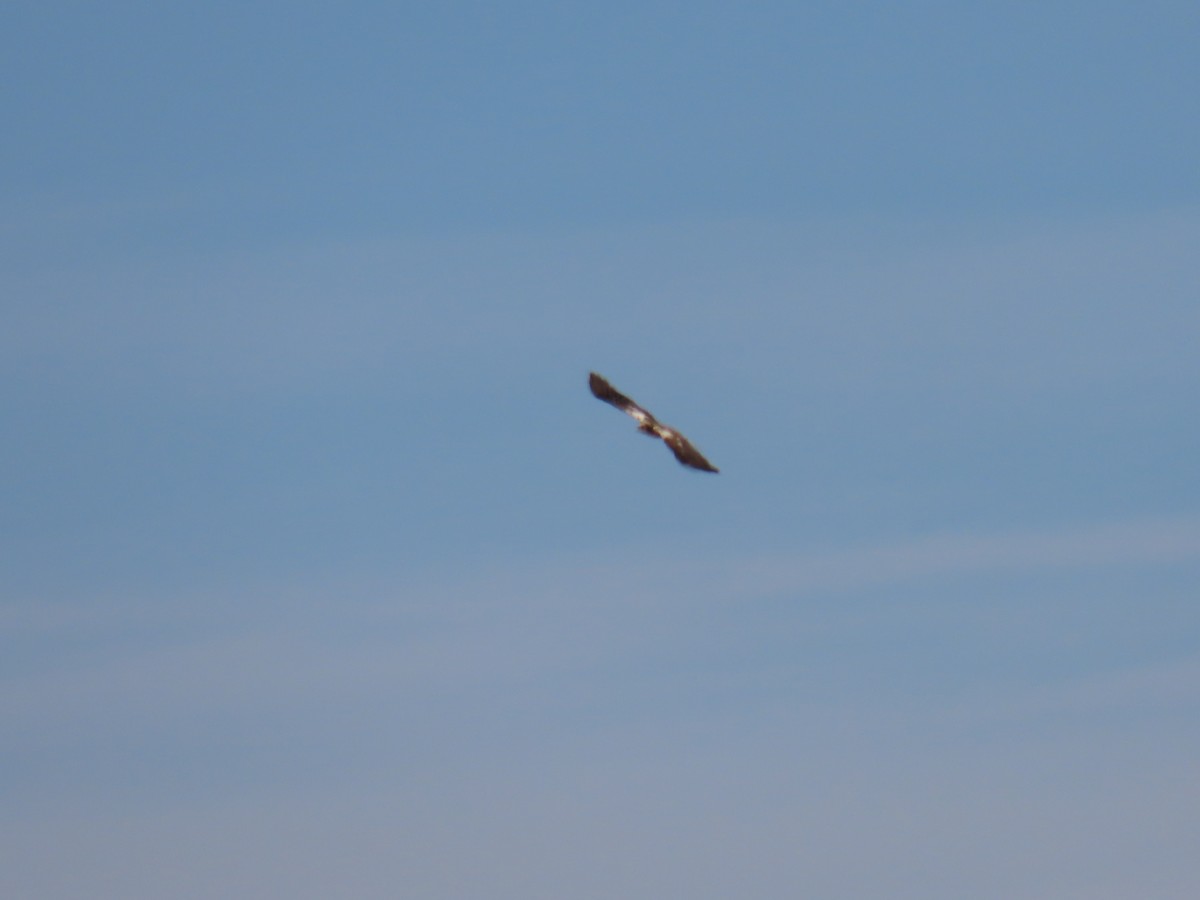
x: 310, y: 644
x: 1097, y: 547
x: 1057, y: 305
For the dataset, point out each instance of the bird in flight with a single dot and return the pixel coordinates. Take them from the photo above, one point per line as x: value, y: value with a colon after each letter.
x: 647, y: 424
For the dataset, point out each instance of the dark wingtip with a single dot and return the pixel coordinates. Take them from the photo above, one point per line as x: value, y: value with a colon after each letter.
x: 598, y: 386
x: 699, y: 465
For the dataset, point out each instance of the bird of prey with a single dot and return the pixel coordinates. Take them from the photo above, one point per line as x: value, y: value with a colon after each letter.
x: 647, y: 424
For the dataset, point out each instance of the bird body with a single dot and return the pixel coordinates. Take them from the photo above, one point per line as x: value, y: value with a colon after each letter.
x: 647, y: 424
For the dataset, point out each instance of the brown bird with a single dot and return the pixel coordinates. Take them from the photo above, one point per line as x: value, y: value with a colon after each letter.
x: 647, y: 424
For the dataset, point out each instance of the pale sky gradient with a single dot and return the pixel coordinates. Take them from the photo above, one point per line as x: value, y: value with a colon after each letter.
x: 322, y: 574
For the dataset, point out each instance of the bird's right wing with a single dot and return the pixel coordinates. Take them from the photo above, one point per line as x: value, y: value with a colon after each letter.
x: 687, y: 454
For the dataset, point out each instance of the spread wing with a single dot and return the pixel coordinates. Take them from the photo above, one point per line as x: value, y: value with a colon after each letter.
x: 687, y: 454
x: 609, y: 394
x: 680, y: 446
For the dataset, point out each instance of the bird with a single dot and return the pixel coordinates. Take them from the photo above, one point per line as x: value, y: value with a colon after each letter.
x: 647, y: 424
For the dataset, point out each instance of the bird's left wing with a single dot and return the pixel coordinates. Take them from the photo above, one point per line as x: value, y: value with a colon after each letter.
x: 609, y: 394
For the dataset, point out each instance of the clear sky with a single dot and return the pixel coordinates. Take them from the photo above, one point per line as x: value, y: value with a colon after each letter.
x: 322, y: 574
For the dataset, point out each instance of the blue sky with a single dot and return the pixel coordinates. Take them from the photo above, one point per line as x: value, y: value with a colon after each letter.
x: 323, y: 573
